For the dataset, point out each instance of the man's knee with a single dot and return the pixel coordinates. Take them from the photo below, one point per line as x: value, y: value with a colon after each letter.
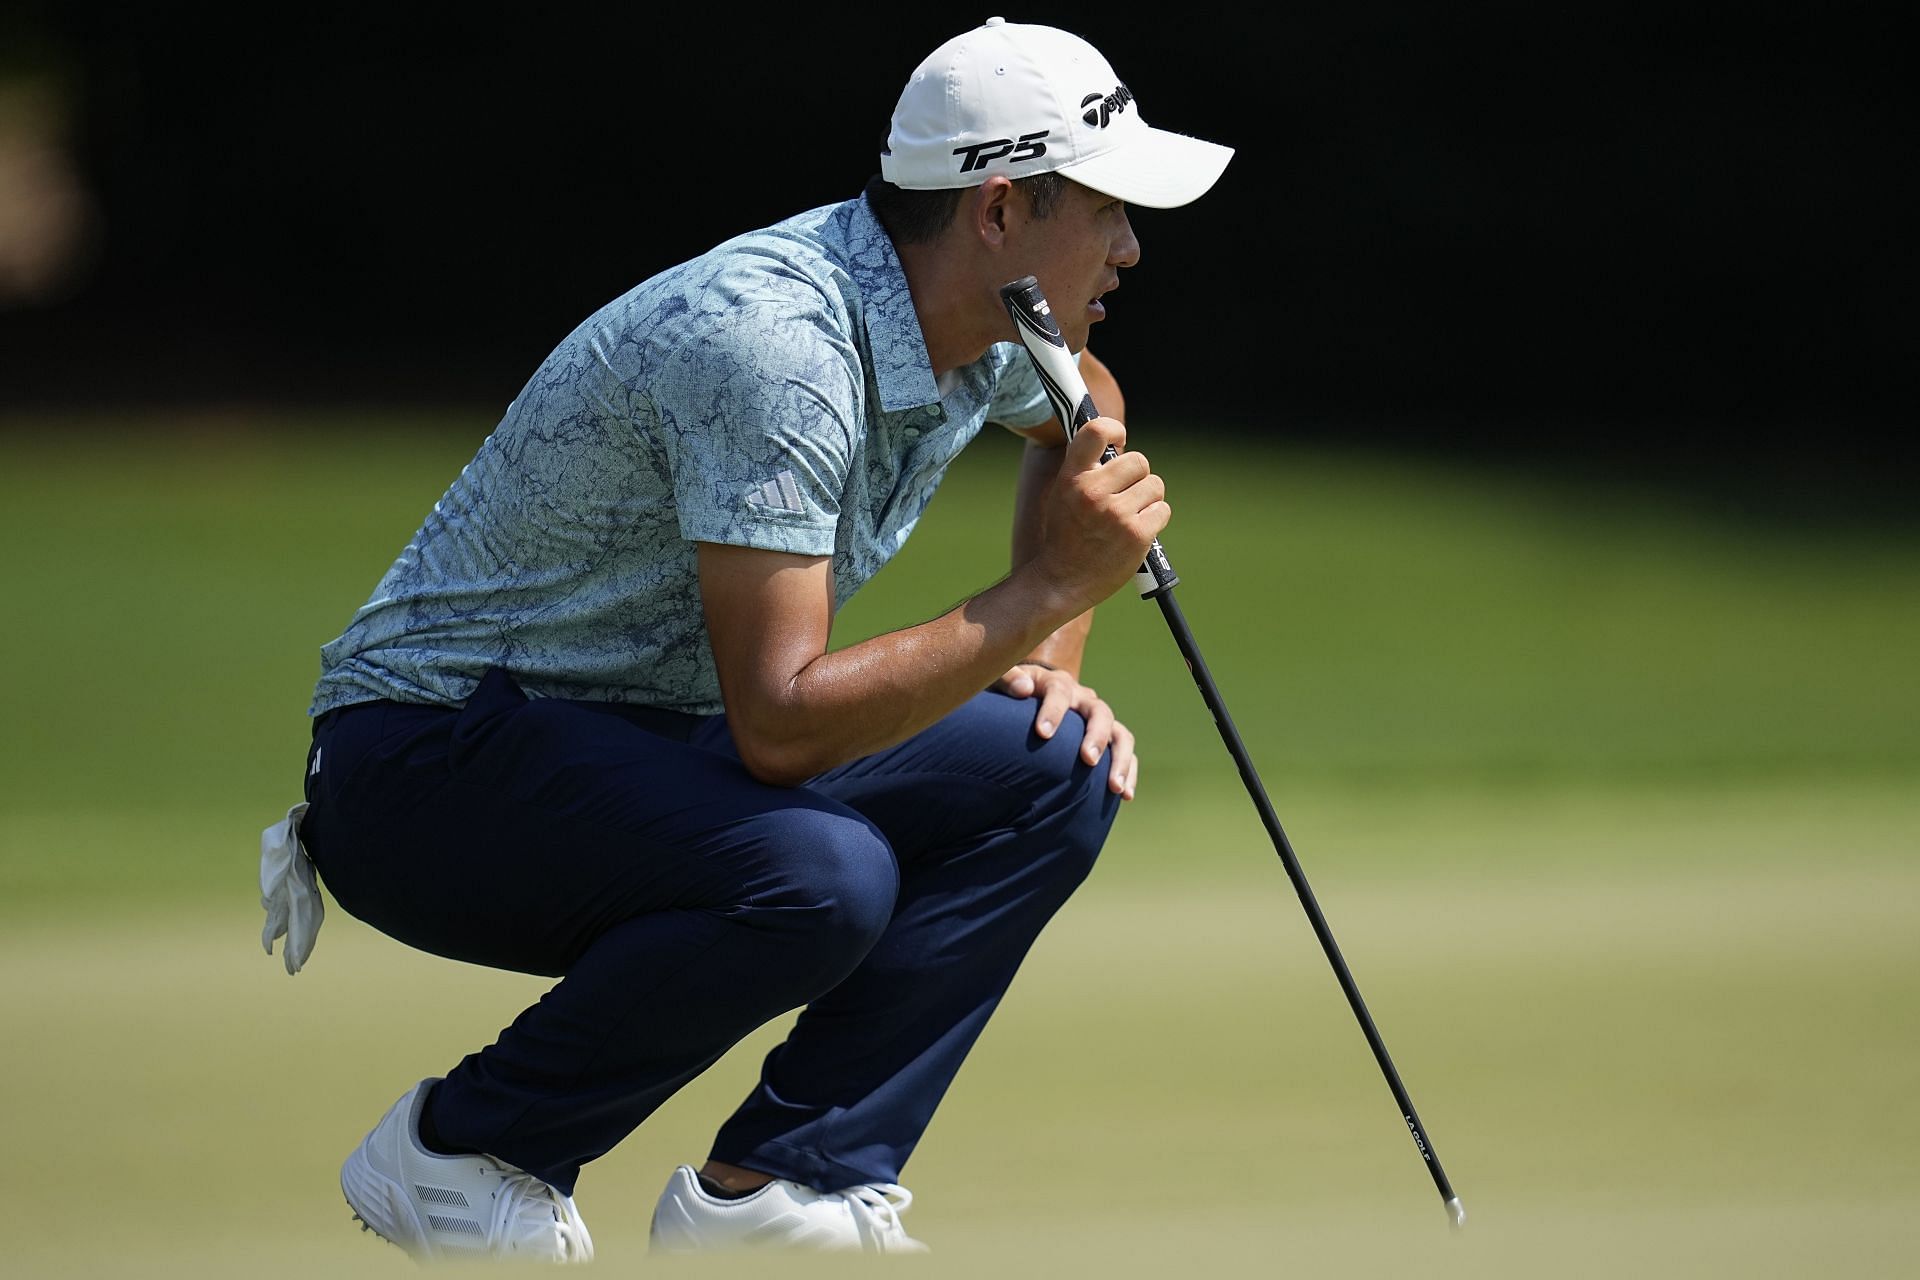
x: 840, y: 880
x: 1093, y: 809
x: 1072, y: 796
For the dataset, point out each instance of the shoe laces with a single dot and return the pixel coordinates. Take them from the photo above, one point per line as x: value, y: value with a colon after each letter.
x: 530, y: 1215
x: 876, y: 1209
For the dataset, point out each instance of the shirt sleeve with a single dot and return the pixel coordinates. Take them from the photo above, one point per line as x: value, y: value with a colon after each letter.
x: 1019, y: 400
x: 759, y: 416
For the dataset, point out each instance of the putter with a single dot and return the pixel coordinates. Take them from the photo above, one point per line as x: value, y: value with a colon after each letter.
x: 1060, y: 375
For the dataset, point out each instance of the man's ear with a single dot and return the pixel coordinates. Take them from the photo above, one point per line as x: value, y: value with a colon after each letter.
x: 989, y: 211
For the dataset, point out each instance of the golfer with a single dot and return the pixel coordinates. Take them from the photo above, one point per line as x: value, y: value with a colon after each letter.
x: 589, y: 725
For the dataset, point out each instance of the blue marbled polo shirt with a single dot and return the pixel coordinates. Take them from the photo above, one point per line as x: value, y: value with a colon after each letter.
x: 774, y: 392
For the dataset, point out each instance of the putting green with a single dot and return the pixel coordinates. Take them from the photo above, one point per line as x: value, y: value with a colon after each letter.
x: 1691, y: 1067
x: 1609, y: 795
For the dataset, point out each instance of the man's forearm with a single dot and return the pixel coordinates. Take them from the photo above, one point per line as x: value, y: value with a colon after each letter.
x: 1064, y: 648
x: 854, y: 701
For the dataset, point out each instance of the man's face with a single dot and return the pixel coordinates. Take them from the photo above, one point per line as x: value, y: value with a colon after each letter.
x: 1076, y: 253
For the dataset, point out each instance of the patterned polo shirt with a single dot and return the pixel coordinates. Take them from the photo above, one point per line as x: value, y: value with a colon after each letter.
x: 774, y: 392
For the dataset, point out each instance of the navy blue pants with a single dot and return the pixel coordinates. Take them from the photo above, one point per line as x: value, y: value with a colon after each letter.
x: 683, y: 905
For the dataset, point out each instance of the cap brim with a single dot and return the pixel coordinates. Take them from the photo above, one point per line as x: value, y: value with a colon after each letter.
x: 1156, y: 169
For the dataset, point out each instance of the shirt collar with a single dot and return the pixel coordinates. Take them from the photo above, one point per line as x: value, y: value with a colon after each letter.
x: 902, y: 369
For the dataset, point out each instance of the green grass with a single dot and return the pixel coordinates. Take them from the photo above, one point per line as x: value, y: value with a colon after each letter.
x: 1376, y: 627
x: 1367, y: 616
x: 1683, y: 1073
x: 1608, y: 794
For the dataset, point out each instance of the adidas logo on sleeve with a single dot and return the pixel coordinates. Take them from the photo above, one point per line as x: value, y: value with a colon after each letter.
x: 777, y: 494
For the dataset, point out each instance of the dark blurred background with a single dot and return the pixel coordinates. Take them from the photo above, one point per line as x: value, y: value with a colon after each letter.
x: 1671, y: 238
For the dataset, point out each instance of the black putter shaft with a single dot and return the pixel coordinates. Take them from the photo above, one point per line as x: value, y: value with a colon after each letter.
x: 1072, y: 404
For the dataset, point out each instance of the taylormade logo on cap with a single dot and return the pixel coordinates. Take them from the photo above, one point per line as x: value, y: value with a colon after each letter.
x: 1115, y: 101
x: 1012, y: 99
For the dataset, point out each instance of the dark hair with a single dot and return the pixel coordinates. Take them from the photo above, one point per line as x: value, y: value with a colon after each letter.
x: 916, y: 217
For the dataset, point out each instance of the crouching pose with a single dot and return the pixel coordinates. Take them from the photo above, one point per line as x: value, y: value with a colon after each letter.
x: 589, y: 725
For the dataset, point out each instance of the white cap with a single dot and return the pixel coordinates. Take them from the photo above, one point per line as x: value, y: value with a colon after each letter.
x: 1016, y: 99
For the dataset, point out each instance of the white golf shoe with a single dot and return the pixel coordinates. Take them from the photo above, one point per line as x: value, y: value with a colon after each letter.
x: 446, y: 1207
x: 781, y: 1216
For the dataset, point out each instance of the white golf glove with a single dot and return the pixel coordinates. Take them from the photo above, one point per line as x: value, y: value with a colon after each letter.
x: 289, y: 891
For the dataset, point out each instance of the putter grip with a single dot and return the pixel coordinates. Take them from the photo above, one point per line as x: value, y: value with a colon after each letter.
x: 1067, y: 392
